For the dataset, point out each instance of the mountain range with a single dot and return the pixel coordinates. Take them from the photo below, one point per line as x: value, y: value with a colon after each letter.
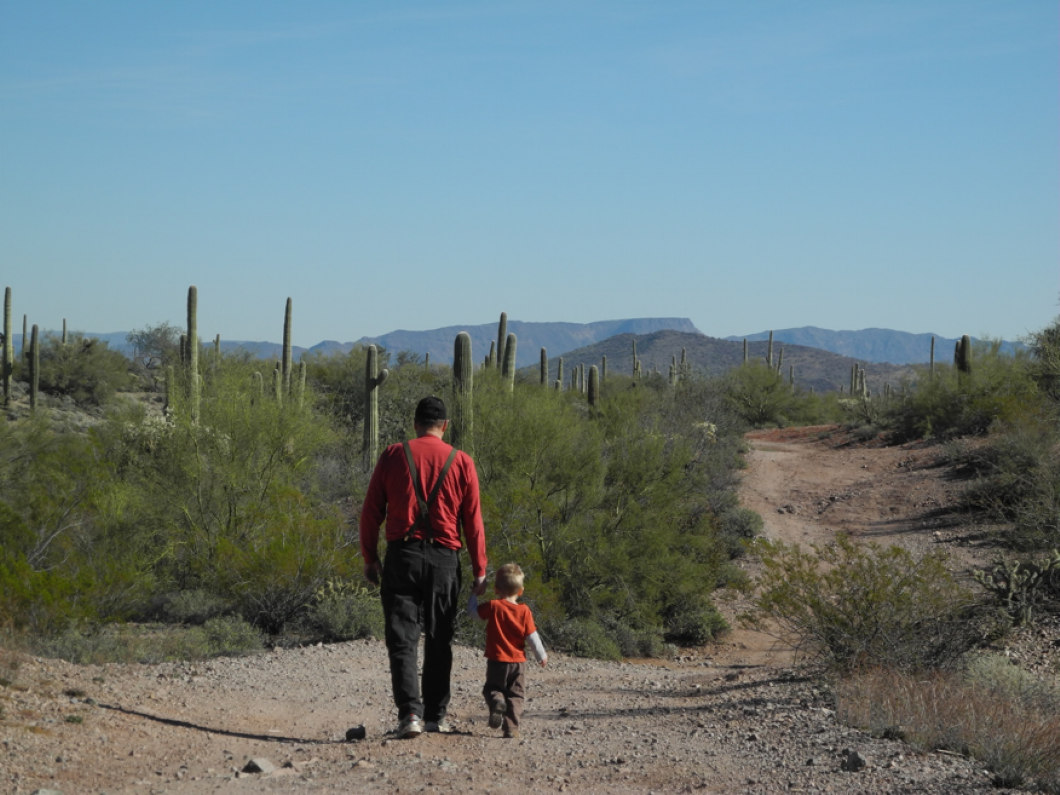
x: 871, y: 344
x: 821, y: 358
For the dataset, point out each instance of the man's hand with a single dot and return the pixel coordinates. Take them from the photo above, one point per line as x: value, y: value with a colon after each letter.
x: 373, y: 572
x: 479, y: 587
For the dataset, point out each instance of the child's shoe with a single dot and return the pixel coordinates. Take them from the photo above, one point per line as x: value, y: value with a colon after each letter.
x: 497, y: 710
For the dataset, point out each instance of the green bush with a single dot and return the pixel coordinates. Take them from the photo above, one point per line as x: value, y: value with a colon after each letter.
x: 997, y: 674
x: 694, y: 623
x: 84, y: 369
x: 194, y: 606
x: 736, y: 527
x: 581, y: 637
x: 949, y: 404
x: 849, y: 605
x: 344, y: 611
x: 96, y: 644
x: 1016, y: 482
x: 760, y: 395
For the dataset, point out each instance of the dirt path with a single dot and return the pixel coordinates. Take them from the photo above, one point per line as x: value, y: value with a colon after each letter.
x: 732, y: 717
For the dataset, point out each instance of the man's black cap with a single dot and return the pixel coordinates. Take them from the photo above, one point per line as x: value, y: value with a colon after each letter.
x: 430, y: 410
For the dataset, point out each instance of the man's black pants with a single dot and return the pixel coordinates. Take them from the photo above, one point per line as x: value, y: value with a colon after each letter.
x: 421, y: 592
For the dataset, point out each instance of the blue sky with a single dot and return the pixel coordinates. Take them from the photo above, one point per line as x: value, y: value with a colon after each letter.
x: 413, y: 165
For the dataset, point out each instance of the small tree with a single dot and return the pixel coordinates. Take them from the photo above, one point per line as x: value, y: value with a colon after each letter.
x: 155, y: 348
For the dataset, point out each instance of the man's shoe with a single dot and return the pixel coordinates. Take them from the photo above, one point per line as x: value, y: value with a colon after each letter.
x: 410, y: 726
x: 511, y: 734
x: 440, y: 726
x: 497, y: 710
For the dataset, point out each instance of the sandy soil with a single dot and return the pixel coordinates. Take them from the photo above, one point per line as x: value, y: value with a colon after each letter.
x: 736, y: 716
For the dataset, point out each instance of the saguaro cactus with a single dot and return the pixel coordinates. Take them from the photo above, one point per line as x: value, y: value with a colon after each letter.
x: 559, y: 372
x: 7, y: 357
x: 544, y: 367
x: 193, y: 353
x: 508, y: 368
x: 277, y: 383
x: 594, y: 387
x: 502, y: 339
x: 34, y: 368
x: 962, y: 356
x: 769, y: 351
x: 373, y: 379
x: 932, y: 359
x: 287, y: 359
x: 462, y: 433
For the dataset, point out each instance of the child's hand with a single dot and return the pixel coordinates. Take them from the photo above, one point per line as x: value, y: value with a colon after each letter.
x: 544, y: 661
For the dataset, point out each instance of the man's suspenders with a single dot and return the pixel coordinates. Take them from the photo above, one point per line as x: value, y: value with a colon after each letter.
x: 423, y: 517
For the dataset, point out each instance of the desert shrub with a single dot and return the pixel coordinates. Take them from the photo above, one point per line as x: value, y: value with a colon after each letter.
x: 581, y: 637
x: 736, y: 527
x: 343, y: 610
x: 194, y: 606
x: 759, y: 394
x: 84, y: 369
x: 950, y: 403
x: 272, y: 569
x: 226, y: 636
x: 695, y: 622
x: 1016, y: 481
x: 96, y: 644
x: 635, y: 643
x: 1045, y: 369
x: 986, y: 712
x: 848, y: 604
x: 997, y: 674
x: 38, y: 603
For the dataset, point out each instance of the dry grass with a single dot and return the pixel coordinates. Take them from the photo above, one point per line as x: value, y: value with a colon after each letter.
x: 1008, y: 721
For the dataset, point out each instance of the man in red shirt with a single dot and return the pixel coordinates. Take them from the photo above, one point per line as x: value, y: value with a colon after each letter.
x: 420, y: 576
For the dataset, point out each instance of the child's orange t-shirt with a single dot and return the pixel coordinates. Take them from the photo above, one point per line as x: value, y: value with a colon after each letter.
x: 508, y: 624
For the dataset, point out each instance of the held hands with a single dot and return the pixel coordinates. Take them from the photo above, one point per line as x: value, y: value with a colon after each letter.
x: 543, y: 661
x: 479, y: 587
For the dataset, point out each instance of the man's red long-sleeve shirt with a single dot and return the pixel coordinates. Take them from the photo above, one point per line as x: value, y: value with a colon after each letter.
x: 391, y: 496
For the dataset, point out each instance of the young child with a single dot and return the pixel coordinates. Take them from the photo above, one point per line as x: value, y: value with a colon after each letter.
x: 509, y: 625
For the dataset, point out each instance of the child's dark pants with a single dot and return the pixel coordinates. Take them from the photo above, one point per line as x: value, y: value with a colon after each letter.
x: 505, y: 682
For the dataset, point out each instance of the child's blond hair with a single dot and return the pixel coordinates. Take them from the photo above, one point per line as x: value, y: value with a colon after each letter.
x: 509, y: 580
